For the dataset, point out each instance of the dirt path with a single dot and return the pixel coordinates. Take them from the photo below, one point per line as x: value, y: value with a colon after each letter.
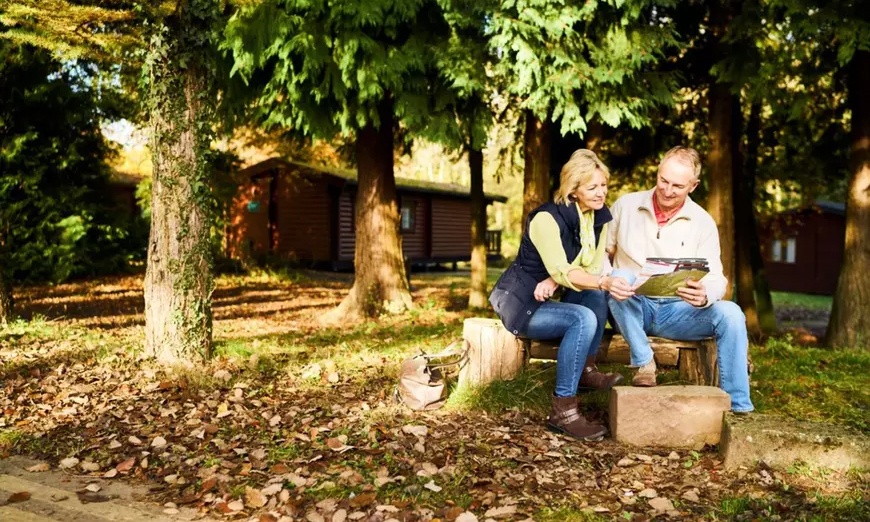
x: 55, y: 495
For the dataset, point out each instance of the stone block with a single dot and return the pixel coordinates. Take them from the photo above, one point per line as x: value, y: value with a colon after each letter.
x: 780, y: 442
x: 668, y: 416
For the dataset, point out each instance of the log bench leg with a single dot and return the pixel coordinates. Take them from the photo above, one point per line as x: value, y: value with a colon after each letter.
x: 494, y: 354
x: 699, y: 365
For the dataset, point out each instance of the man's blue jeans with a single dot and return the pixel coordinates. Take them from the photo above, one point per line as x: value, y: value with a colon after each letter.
x: 673, y: 318
x: 579, y: 320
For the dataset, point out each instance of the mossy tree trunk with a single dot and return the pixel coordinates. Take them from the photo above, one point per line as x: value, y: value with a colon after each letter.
x: 477, y: 297
x: 850, y: 322
x: 536, y: 174
x: 380, y: 283
x: 179, y: 279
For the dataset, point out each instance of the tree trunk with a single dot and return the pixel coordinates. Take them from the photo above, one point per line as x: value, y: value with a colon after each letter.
x: 477, y: 297
x: 380, y: 283
x: 723, y: 142
x: 6, y: 302
x: 720, y: 203
x: 763, y: 301
x: 850, y: 322
x: 536, y: 176
x: 744, y: 223
x: 178, y: 279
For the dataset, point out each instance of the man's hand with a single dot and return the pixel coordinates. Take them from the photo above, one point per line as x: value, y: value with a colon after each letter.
x: 693, y: 293
x: 546, y: 289
x: 618, y: 287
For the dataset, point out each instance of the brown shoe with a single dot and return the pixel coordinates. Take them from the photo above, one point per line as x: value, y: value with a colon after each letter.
x: 565, y: 418
x: 645, y: 376
x: 592, y: 379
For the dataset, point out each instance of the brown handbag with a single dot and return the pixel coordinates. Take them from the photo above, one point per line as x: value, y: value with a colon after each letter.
x: 423, y: 382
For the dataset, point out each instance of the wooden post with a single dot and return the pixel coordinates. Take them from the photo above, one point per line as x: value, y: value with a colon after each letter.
x: 699, y: 364
x: 493, y: 352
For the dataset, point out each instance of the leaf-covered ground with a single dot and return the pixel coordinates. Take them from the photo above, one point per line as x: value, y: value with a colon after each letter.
x: 295, y: 421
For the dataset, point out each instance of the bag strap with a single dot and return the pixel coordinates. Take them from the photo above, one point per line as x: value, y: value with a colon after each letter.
x: 450, y: 351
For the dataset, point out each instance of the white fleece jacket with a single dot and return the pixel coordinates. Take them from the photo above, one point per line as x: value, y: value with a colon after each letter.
x: 634, y: 235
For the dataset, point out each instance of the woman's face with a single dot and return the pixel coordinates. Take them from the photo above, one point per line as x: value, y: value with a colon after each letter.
x: 591, y: 195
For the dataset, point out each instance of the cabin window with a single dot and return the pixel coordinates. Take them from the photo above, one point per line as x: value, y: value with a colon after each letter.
x: 783, y: 250
x: 408, y: 211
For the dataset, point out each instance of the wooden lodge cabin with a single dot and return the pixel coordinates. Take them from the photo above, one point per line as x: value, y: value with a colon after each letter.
x: 803, y: 249
x: 305, y: 213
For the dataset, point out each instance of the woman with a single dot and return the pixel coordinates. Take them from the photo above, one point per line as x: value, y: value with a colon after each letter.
x: 563, y: 245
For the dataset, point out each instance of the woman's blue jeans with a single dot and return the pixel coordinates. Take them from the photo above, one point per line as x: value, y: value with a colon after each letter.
x: 579, y: 320
x: 673, y: 318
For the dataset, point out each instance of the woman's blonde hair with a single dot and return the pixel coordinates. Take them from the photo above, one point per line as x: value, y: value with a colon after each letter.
x: 576, y: 172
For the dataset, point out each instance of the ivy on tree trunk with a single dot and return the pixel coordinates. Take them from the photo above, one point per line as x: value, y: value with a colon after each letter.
x: 178, y: 279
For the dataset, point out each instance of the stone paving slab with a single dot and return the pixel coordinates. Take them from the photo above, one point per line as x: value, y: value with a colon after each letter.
x: 780, y: 442
x: 668, y: 416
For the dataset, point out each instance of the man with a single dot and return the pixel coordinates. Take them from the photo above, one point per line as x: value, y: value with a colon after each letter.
x: 665, y: 222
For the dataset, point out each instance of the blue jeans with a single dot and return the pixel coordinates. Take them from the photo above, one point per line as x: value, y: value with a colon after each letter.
x: 673, y: 318
x: 579, y: 320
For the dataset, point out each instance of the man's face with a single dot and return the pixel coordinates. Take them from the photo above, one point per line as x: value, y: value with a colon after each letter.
x: 676, y: 180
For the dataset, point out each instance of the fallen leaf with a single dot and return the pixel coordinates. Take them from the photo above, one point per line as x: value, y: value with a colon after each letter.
x: 126, y: 465
x: 467, y: 517
x: 254, y: 498
x: 69, y: 462
x: 363, y: 500
x: 417, y: 431
x: 498, y: 512
x: 431, y: 486
x: 661, y: 504
x: 158, y: 442
x: 36, y: 468
x: 93, y: 488
x: 19, y: 496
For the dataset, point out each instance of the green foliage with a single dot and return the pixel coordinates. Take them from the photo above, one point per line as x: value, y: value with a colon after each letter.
x: 572, y: 62
x: 322, y: 68
x: 57, y: 216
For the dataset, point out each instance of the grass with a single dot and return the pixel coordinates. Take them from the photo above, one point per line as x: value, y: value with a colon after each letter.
x: 828, y: 385
x: 804, y: 301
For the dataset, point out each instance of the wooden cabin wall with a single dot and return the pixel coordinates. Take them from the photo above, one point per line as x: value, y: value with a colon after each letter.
x: 302, y: 218
x: 451, y: 228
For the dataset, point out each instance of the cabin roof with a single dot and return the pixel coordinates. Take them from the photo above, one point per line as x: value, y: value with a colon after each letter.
x: 349, y: 176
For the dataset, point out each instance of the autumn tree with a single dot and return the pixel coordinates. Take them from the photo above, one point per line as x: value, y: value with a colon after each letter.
x: 360, y: 70
x: 174, y: 41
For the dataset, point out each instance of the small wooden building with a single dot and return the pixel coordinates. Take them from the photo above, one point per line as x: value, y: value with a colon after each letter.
x: 305, y: 213
x: 803, y: 249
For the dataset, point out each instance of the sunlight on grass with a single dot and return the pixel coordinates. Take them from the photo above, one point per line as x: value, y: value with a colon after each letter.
x: 806, y: 301
x: 529, y: 391
x: 812, y: 383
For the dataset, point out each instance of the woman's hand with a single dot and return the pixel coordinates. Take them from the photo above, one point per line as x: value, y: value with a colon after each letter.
x: 546, y: 289
x: 619, y: 288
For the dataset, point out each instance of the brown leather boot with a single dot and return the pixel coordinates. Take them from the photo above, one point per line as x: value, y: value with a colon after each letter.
x: 592, y: 379
x: 565, y: 418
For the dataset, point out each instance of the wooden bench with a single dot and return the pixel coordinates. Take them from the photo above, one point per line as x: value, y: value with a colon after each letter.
x: 496, y: 354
